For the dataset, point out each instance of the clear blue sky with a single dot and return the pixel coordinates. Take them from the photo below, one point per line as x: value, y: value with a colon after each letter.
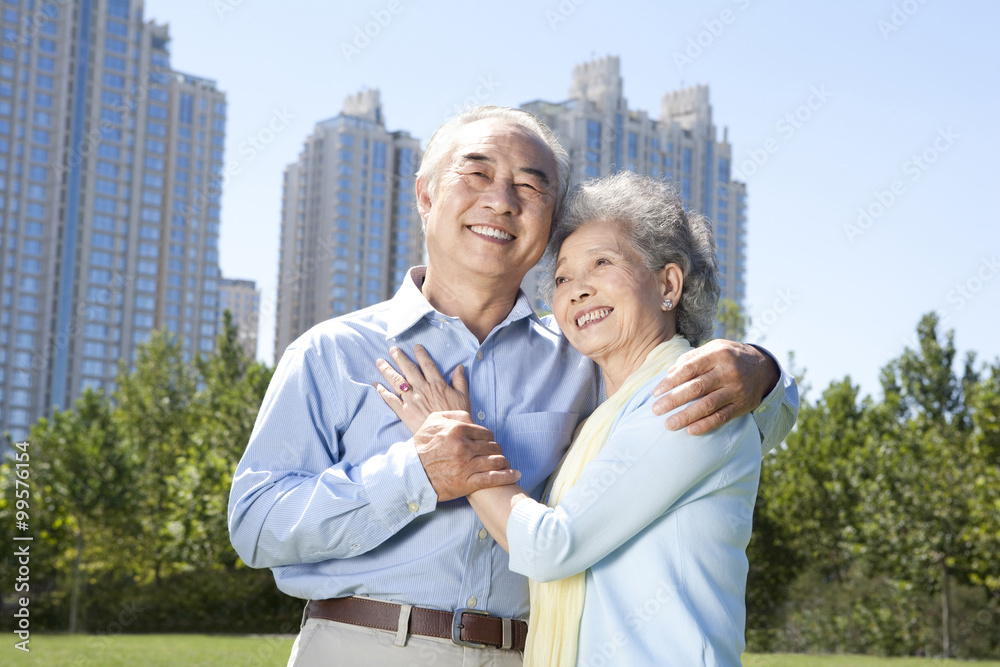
x: 887, y: 81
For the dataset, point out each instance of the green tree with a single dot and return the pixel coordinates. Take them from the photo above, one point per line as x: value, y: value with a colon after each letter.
x: 806, y: 487
x: 983, y: 528
x: 84, y: 491
x: 803, y: 516
x: 732, y: 323
x: 153, y: 407
x: 916, y: 477
x: 233, y: 388
x: 130, y: 496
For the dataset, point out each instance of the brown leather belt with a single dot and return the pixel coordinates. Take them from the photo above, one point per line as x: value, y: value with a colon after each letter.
x: 466, y: 627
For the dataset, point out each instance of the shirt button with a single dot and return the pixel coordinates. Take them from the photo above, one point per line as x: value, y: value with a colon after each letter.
x: 472, y: 602
x: 483, y: 534
x: 413, y: 507
x: 481, y: 415
x: 479, y: 355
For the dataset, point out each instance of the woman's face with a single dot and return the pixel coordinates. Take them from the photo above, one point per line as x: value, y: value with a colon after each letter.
x: 606, y: 301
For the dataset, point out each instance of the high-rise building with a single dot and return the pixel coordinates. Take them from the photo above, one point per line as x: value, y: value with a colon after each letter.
x: 242, y: 299
x: 349, y: 225
x: 110, y: 163
x: 603, y: 136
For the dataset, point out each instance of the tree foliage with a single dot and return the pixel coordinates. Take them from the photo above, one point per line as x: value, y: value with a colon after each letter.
x: 895, y: 499
x: 732, y: 322
x: 131, y: 490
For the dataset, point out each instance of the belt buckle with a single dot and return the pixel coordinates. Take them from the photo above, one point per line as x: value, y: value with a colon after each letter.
x: 456, y: 627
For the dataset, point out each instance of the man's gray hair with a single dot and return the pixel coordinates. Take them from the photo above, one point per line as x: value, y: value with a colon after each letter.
x: 440, y: 146
x: 660, y: 231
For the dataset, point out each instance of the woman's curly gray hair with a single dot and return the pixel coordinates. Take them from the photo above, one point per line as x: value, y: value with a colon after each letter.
x: 661, y: 232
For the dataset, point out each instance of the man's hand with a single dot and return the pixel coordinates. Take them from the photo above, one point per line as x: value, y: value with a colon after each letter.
x: 460, y: 456
x: 729, y: 380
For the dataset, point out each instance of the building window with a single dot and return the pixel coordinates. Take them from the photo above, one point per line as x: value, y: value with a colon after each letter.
x: 112, y: 62
x: 593, y: 135
x: 724, y: 170
x: 110, y: 80
x: 116, y: 28
x: 186, y: 108
x: 18, y: 417
x: 92, y: 367
x: 118, y: 8
x: 406, y: 166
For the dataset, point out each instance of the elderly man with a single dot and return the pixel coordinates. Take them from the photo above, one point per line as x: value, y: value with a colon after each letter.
x: 371, y: 525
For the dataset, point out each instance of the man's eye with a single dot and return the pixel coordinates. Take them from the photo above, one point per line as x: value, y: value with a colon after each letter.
x: 526, y: 185
x: 560, y: 280
x: 602, y: 262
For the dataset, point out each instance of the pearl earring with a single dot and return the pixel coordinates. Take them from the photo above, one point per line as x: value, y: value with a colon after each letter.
x: 667, y: 304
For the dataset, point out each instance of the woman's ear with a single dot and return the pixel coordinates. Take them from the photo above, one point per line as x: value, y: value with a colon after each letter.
x: 671, y: 279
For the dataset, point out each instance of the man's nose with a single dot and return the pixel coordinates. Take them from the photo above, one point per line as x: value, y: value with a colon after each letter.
x: 502, y: 197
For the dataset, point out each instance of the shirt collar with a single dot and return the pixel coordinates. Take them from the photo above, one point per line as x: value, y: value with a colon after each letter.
x: 409, y: 306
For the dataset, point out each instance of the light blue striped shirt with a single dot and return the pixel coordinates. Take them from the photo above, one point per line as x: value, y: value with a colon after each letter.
x: 330, y: 492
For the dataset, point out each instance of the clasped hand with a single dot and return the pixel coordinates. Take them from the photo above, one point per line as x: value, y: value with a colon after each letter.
x: 458, y: 455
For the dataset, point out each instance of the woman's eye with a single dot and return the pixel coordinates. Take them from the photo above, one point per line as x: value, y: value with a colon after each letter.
x: 560, y: 280
x: 602, y: 262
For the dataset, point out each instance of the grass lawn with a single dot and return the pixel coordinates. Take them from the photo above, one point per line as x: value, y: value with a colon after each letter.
x: 152, y: 651
x: 791, y: 660
x: 222, y: 651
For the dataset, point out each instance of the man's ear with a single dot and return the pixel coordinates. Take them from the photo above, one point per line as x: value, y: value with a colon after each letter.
x: 423, y: 198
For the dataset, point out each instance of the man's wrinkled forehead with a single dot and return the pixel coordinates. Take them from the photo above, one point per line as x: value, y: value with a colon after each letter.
x: 490, y: 139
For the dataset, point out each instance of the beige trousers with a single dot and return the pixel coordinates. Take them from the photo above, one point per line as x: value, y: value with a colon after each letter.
x: 323, y: 643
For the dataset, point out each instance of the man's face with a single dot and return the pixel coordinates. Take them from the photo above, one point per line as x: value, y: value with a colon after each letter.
x: 492, y: 209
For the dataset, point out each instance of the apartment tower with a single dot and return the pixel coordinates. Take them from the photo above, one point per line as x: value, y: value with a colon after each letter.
x: 349, y: 227
x: 109, y: 201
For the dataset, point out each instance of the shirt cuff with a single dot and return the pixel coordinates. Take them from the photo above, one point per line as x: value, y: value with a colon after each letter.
x: 769, y: 415
x: 397, y: 485
x: 522, y: 527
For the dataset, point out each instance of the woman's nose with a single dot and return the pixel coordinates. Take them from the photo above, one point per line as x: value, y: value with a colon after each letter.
x: 581, y: 291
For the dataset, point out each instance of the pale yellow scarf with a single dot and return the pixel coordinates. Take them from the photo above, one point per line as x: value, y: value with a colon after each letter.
x: 557, y: 606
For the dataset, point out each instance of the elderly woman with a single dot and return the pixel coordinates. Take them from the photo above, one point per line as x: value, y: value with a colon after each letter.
x: 639, y: 555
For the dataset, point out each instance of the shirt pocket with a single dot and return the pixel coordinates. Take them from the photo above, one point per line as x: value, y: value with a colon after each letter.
x: 534, y: 443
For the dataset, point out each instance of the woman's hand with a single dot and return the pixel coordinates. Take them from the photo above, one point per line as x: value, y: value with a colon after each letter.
x: 421, y: 389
